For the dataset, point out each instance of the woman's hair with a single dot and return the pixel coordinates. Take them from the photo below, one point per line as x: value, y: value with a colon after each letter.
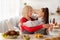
x: 25, y: 10
x: 46, y: 15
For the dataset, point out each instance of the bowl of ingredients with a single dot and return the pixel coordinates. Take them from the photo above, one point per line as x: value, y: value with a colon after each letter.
x: 11, y: 34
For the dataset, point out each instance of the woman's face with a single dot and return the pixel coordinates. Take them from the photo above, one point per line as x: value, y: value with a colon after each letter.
x: 41, y: 13
x: 30, y: 11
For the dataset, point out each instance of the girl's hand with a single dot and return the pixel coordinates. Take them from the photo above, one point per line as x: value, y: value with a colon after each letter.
x: 59, y: 25
x: 51, y: 28
x: 46, y: 25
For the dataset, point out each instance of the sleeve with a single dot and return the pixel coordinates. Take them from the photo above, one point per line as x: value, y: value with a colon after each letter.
x: 31, y: 23
x: 33, y: 29
x: 40, y: 21
x: 22, y: 20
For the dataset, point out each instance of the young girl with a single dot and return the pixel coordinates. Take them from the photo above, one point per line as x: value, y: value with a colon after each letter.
x: 44, y: 14
x: 43, y: 18
x: 27, y: 13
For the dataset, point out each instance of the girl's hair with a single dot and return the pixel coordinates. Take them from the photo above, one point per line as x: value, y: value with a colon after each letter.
x: 25, y: 10
x: 46, y: 15
x: 46, y: 18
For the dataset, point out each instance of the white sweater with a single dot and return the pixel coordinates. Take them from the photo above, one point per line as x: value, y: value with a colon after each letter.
x: 34, y: 23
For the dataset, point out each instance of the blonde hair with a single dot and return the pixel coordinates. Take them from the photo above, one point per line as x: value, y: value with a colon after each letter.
x: 25, y: 10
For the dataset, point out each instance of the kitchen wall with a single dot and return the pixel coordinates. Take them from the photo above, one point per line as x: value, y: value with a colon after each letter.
x: 14, y: 7
x: 37, y: 4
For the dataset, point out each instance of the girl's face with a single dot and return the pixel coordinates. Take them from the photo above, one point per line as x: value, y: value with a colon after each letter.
x: 41, y: 13
x: 30, y: 11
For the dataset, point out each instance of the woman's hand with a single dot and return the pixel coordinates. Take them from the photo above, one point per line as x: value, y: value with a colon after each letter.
x: 46, y: 25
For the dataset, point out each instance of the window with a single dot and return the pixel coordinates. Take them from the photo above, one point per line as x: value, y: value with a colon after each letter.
x: 9, y: 8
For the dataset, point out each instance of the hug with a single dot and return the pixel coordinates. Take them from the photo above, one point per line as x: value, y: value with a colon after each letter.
x: 34, y: 22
